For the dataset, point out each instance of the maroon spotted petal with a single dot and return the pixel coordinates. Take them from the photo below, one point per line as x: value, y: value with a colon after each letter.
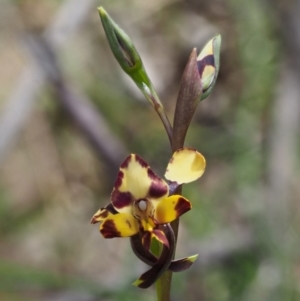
x: 136, y: 181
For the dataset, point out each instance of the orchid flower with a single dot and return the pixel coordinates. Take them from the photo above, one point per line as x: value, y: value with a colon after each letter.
x: 142, y: 205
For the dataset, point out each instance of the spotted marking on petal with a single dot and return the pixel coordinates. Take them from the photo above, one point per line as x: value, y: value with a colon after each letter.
x: 141, y: 161
x: 100, y: 216
x: 121, y: 200
x: 108, y: 229
x: 118, y: 182
x: 119, y: 225
x: 182, y: 206
x: 159, y: 188
x: 105, y: 214
x: 127, y: 161
x: 170, y: 208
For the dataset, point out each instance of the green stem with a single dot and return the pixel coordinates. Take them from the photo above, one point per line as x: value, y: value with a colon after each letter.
x: 165, y: 120
x: 163, y: 284
x: 152, y: 97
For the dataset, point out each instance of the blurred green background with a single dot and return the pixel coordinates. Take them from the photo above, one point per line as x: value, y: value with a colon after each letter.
x: 55, y: 173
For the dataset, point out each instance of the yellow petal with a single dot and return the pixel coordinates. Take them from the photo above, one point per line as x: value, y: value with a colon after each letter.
x: 171, y: 208
x: 119, y: 225
x: 186, y: 165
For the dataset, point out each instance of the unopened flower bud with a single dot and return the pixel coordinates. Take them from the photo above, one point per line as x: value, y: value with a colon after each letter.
x: 120, y: 44
x: 128, y: 57
x: 198, y: 80
x: 208, y: 62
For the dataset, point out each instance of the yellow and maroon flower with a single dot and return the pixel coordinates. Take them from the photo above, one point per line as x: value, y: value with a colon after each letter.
x: 141, y: 199
x: 142, y: 206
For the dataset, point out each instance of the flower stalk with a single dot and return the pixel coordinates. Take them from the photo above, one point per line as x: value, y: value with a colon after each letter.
x: 151, y: 95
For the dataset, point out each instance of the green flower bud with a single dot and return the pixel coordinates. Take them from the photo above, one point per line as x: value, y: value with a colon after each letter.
x: 125, y: 51
x: 208, y: 62
x: 131, y: 62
